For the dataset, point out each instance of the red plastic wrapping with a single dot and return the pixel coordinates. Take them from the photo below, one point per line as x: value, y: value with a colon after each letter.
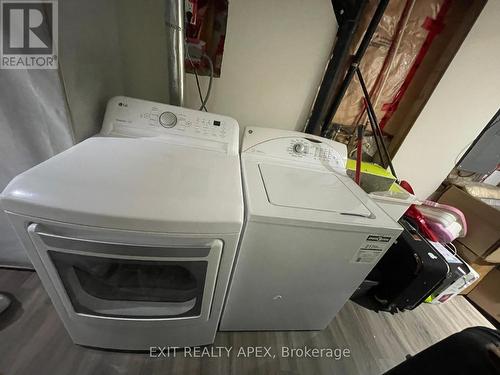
x: 377, y: 65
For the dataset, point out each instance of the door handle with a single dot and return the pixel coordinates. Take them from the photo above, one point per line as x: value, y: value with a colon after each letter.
x: 117, y: 248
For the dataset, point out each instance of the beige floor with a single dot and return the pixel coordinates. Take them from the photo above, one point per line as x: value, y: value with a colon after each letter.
x: 33, y: 341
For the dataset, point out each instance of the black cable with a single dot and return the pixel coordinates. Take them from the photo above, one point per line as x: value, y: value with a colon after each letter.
x: 209, y: 89
x: 379, y: 149
x: 197, y: 81
x: 373, y: 120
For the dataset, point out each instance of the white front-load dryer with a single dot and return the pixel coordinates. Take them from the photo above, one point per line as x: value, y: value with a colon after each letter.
x: 133, y: 232
x: 311, y: 234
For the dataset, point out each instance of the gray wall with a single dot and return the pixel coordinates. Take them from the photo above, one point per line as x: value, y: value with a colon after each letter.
x: 108, y: 48
x: 484, y: 154
x: 34, y: 126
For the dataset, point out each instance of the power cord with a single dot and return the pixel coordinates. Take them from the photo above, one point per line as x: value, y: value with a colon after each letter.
x: 451, y: 246
x: 203, y: 100
x: 209, y: 89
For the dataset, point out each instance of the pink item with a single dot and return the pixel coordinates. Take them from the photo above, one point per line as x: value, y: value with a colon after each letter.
x: 454, y: 211
x: 446, y: 222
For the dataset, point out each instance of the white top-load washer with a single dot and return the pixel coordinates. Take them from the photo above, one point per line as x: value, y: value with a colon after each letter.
x: 311, y: 234
x: 134, y: 232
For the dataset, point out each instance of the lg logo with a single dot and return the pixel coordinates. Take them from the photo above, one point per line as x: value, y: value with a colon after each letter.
x: 29, y: 34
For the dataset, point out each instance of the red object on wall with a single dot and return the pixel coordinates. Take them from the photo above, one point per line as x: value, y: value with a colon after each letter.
x: 205, y: 33
x: 434, y: 26
x: 387, y: 61
x: 191, y: 8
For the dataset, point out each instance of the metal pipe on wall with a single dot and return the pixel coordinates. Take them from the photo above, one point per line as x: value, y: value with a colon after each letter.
x: 174, y: 22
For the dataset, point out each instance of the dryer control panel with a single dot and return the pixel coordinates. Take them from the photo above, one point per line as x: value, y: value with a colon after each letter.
x: 128, y: 117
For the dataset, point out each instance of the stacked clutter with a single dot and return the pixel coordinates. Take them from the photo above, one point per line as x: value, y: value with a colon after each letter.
x: 423, y: 264
x: 441, y: 224
x: 448, y: 223
x: 480, y: 247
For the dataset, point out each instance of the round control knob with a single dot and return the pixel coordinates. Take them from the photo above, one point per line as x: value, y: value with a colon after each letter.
x: 299, y: 148
x: 168, y: 119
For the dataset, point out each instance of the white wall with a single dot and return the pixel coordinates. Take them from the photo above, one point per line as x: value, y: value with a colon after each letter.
x: 464, y: 101
x: 274, y: 57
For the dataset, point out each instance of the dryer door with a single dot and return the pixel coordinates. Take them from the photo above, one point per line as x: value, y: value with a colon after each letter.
x: 117, y: 280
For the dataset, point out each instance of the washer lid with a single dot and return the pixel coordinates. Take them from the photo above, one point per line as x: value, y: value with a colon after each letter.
x: 309, y: 189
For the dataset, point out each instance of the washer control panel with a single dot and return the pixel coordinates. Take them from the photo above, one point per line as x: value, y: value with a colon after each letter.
x: 299, y: 148
x: 303, y: 148
x: 128, y: 117
x: 312, y: 150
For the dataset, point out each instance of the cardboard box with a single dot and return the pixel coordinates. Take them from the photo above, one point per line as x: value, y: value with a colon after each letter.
x: 487, y: 294
x: 478, y: 264
x: 483, y: 224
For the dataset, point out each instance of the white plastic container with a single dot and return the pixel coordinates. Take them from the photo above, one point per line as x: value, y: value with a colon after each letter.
x: 395, y: 201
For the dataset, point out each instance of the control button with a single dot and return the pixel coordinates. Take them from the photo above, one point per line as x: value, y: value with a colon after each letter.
x: 299, y: 148
x: 216, y: 123
x: 168, y: 119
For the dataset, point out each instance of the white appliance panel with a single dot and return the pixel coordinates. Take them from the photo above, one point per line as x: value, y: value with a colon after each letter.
x: 311, y: 234
x: 129, y: 117
x: 137, y: 333
x: 309, y: 189
x: 133, y: 232
x: 294, y: 278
